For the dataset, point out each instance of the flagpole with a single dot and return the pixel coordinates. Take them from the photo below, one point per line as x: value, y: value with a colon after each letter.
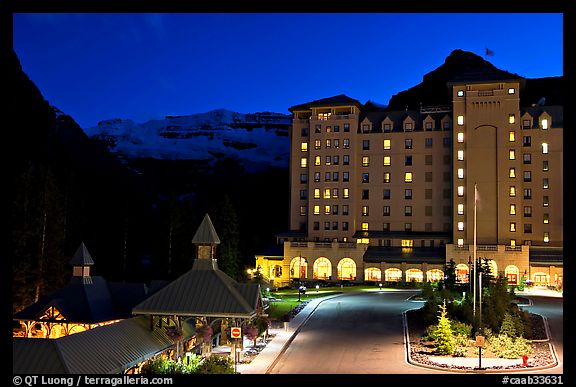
x: 474, y: 252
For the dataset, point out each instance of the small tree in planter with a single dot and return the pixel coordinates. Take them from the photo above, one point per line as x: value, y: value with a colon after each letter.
x: 444, y: 337
x: 251, y: 333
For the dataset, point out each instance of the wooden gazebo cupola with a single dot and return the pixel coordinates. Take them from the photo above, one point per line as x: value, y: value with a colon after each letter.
x: 206, y: 240
x: 81, y: 262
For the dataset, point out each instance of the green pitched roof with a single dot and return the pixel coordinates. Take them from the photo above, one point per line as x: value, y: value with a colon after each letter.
x: 206, y: 234
x: 203, y: 291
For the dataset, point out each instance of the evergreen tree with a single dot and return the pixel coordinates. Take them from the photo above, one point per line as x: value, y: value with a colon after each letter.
x: 227, y: 227
x: 444, y: 337
x: 450, y: 275
x: 508, y: 327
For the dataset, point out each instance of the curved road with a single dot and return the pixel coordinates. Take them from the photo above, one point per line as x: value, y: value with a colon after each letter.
x: 362, y: 333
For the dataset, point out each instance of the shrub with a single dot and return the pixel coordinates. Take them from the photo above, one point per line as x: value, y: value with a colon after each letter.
x: 461, y: 329
x: 216, y: 365
x: 506, y: 347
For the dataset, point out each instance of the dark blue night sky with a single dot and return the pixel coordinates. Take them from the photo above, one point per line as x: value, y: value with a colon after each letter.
x: 145, y: 66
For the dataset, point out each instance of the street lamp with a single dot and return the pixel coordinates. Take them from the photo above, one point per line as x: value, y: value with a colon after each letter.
x: 317, y: 287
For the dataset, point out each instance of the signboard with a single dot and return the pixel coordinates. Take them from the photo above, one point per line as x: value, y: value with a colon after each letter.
x: 235, y: 332
x: 479, y: 341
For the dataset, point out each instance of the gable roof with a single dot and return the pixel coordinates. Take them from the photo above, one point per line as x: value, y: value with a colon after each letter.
x: 112, y: 349
x: 203, y: 291
x: 88, y: 302
x: 206, y: 233
x: 82, y: 257
x: 337, y: 100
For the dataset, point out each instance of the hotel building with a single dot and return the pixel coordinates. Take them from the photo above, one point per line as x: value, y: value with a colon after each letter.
x: 381, y: 195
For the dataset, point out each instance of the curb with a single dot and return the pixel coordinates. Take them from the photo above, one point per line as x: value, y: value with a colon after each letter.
x: 414, y: 363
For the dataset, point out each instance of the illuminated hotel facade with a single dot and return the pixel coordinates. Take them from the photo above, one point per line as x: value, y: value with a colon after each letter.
x: 379, y: 195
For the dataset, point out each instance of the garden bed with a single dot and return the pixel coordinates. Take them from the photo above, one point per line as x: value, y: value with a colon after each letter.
x: 423, y: 352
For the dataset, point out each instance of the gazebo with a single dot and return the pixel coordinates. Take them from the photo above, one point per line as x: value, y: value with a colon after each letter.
x: 204, y: 295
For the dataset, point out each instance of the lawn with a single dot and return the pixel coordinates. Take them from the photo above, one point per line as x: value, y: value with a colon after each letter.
x: 287, y: 299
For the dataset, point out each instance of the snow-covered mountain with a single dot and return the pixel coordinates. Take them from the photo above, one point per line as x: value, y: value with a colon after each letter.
x: 255, y: 140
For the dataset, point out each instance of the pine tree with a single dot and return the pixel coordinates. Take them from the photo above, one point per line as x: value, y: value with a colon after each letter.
x: 227, y: 227
x: 508, y: 327
x: 444, y: 337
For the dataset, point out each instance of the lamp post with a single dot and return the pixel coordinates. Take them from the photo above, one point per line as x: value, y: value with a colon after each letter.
x: 474, y: 251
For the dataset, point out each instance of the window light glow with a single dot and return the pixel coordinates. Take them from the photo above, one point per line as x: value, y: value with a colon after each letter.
x: 460, y: 190
x: 460, y: 120
x: 460, y: 173
x: 460, y: 155
x: 460, y: 209
x: 544, y: 124
x: 408, y: 177
x: 460, y: 137
x: 512, y: 136
x: 511, y: 118
x: 460, y: 242
x: 303, y: 162
x: 460, y: 226
x: 304, y: 147
x: 544, y: 147
x: 387, y: 144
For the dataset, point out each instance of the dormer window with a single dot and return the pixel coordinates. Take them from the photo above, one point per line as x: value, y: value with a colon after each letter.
x: 387, y: 127
x: 365, y: 128
x: 408, y: 126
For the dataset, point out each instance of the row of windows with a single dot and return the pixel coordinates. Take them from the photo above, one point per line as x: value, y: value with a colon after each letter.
x: 545, y: 239
x: 387, y: 195
x: 387, y: 143
x: 331, y: 226
x: 328, y: 193
x: 386, y: 210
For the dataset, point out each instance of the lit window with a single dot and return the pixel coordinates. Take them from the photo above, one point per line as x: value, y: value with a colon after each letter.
x: 407, y: 243
x: 460, y: 242
x: 326, y: 193
x: 316, y: 193
x: 304, y: 147
x: 544, y: 148
x: 303, y: 162
x: 512, y: 172
x: 365, y: 161
x: 365, y: 211
x: 512, y: 191
x: 460, y: 226
x: 316, y: 210
x: 364, y: 226
x: 511, y: 118
x: 512, y: 242
x: 303, y: 210
x: 460, y: 93
x: 386, y: 177
x: 460, y: 155
x: 460, y: 137
x: 387, y: 144
x: 512, y: 209
x: 386, y: 160
x: 545, y: 184
x: 460, y: 120
x: 460, y: 173
x: 511, y: 90
x: 460, y: 209
x: 328, y: 143
x: 408, y: 177
x: 512, y: 226
x: 460, y: 190
x: 317, y: 160
x: 546, y: 218
x: 512, y: 136
x: 364, y: 241
x: 317, y: 144
x: 546, y: 237
x: 327, y: 210
x: 545, y: 201
x: 346, y: 193
x: 512, y: 154
x: 544, y: 124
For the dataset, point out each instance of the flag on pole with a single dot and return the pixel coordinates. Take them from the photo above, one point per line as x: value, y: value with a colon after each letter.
x: 489, y: 52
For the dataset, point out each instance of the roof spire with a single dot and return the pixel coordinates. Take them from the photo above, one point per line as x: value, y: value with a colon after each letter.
x: 206, y: 239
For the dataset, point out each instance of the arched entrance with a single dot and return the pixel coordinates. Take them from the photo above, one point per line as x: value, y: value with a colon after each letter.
x: 462, y: 273
x: 512, y: 274
x: 393, y: 275
x: 322, y: 268
x: 347, y: 269
x: 434, y: 275
x: 414, y: 275
x: 373, y: 274
x: 299, y: 267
